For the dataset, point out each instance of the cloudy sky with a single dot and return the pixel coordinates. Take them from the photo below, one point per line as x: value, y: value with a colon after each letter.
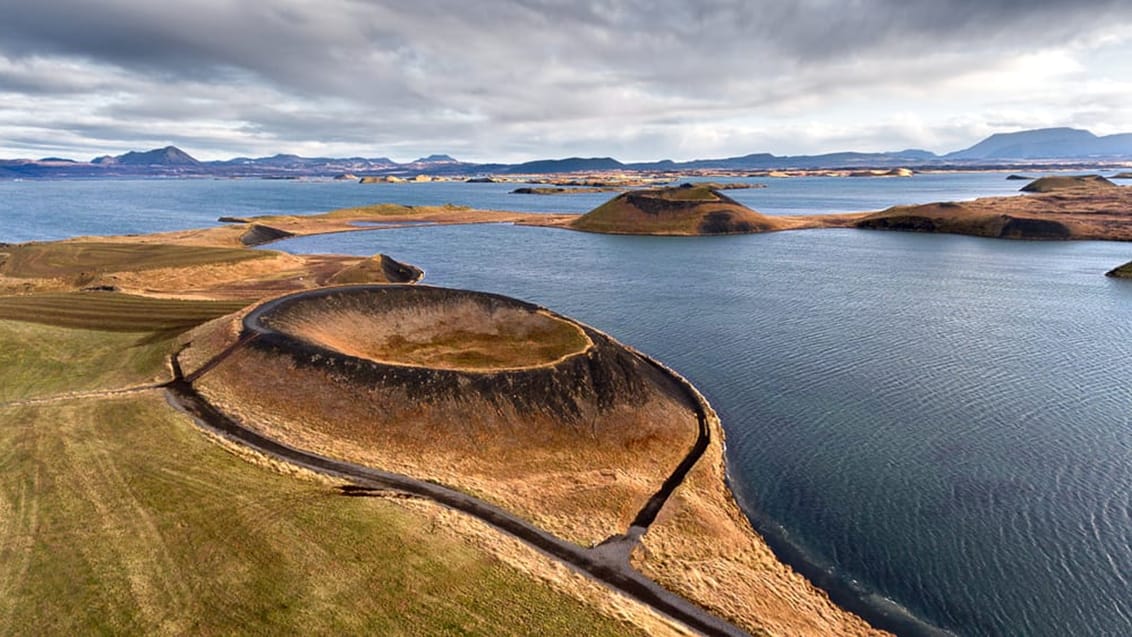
x: 511, y: 80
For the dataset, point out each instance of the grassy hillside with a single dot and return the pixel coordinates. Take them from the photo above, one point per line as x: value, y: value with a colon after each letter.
x: 40, y: 360
x: 120, y: 518
x: 70, y: 259
x: 117, y: 516
x: 111, y: 311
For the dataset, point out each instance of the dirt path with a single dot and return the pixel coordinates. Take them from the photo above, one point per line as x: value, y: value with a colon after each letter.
x: 98, y: 393
x: 607, y: 563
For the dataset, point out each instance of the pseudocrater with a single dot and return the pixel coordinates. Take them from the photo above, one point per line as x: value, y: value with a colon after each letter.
x: 509, y: 401
x: 430, y: 328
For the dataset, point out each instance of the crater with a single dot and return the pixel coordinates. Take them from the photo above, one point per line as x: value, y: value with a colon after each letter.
x: 436, y: 328
x: 524, y: 407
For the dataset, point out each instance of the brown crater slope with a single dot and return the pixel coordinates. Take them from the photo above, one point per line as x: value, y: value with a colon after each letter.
x: 500, y: 398
x: 684, y: 210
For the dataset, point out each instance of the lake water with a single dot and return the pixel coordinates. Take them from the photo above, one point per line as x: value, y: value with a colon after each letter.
x: 929, y: 423
x: 48, y: 210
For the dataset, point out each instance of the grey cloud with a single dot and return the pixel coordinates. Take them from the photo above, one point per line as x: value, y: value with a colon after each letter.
x: 311, y: 45
x: 385, y: 71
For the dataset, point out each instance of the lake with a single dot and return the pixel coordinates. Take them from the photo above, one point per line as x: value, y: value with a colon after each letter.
x: 49, y: 210
x: 931, y: 423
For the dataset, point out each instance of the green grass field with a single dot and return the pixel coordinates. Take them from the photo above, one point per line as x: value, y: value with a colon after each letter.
x: 112, y: 311
x: 50, y: 260
x: 40, y: 360
x: 121, y: 518
x: 118, y: 516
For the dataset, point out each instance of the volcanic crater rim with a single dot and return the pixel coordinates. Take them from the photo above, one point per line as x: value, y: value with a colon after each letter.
x: 425, y: 327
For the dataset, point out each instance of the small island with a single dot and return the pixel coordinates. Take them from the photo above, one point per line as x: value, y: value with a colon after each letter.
x: 686, y: 210
x: 1062, y: 183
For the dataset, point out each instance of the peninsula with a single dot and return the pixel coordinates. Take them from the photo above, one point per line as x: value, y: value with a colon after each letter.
x: 476, y: 449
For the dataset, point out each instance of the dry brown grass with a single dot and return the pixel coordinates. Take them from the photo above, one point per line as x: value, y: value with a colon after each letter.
x: 582, y: 481
x: 113, y: 312
x: 63, y: 259
x: 343, y: 220
x: 564, y: 483
x: 173, y: 270
x: 557, y: 575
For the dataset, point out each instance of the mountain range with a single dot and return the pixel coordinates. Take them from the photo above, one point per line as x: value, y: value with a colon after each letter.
x: 1058, y: 146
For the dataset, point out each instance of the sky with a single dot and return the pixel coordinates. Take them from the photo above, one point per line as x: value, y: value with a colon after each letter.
x: 513, y: 80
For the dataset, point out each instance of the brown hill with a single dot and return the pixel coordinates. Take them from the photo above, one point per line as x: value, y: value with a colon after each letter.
x: 1089, y: 210
x: 501, y: 398
x: 964, y: 218
x: 1068, y: 182
x: 683, y: 210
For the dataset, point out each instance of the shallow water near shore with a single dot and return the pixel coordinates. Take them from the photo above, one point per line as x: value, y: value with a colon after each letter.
x: 938, y: 421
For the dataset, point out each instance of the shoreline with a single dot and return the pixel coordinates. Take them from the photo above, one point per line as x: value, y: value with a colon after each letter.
x: 879, y: 611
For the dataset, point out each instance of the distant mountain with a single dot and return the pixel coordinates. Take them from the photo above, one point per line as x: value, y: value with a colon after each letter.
x: 297, y: 163
x: 168, y: 156
x: 433, y: 164
x: 436, y: 159
x: 1065, y: 147
x: 1047, y: 143
x: 568, y: 165
x: 767, y: 161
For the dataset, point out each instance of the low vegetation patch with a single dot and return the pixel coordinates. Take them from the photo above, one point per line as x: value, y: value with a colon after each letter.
x: 71, y: 259
x: 39, y: 360
x: 113, y: 311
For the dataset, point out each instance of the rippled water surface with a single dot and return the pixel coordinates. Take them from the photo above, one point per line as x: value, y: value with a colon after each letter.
x: 943, y: 422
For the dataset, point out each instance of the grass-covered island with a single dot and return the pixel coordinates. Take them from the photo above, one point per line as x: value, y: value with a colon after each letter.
x: 201, y: 437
